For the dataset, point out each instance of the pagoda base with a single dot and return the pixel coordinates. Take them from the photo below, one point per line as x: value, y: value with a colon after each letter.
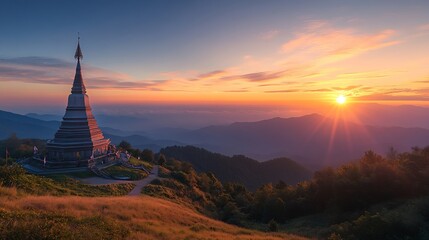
x: 76, y: 163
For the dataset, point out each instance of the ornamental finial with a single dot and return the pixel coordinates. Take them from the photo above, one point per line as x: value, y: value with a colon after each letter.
x: 78, y: 55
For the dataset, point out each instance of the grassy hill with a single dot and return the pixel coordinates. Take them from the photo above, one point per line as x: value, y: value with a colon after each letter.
x: 58, y: 185
x: 49, y: 217
x: 59, y: 207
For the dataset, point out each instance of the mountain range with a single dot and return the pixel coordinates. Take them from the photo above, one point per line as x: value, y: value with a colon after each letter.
x: 31, y: 126
x: 24, y: 126
x: 312, y: 140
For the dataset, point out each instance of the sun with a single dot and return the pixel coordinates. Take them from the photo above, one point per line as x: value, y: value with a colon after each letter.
x: 341, y: 99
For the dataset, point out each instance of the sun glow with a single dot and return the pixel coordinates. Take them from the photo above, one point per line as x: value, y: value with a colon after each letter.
x: 341, y: 99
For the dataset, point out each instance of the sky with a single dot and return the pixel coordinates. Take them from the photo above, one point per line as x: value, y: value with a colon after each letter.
x: 294, y: 54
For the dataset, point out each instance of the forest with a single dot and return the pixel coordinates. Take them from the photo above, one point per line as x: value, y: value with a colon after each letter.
x: 372, y: 198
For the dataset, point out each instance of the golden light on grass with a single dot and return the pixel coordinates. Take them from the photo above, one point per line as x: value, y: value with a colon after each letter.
x: 341, y: 99
x: 144, y: 217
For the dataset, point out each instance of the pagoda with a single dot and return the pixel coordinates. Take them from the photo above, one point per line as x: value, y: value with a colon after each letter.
x: 79, y: 141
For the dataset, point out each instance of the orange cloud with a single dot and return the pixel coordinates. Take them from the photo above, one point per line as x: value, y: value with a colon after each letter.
x: 303, y: 71
x: 328, y: 44
x: 424, y: 27
x: 212, y: 74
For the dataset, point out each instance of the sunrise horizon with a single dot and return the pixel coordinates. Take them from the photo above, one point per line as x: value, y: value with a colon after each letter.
x: 357, y: 56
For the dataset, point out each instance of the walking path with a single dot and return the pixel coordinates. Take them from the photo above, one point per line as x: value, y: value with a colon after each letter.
x: 100, y: 181
x: 137, y: 189
x: 142, y: 183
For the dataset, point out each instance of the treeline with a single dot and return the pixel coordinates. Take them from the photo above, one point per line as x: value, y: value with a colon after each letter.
x: 20, y: 147
x: 145, y: 154
x: 353, y: 187
x: 373, y: 179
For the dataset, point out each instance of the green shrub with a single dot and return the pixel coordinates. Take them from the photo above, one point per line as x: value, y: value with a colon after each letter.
x: 181, y: 177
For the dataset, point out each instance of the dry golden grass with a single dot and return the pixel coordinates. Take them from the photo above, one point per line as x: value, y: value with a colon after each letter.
x: 145, y: 217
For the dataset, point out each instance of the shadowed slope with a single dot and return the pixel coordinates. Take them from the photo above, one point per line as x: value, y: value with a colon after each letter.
x: 239, y: 168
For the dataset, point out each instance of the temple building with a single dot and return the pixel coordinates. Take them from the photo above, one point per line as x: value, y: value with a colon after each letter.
x: 79, y: 141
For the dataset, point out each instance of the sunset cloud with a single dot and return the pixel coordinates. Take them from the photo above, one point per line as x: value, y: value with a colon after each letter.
x: 403, y: 94
x: 364, y: 75
x: 212, y: 74
x: 44, y: 70
x: 303, y: 69
x: 283, y: 91
x: 401, y: 98
x: 257, y: 76
x: 424, y: 27
x: 316, y: 43
x: 347, y: 88
x: 330, y: 44
x: 258, y: 53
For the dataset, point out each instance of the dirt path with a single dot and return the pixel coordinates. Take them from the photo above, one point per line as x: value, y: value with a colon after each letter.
x: 140, y: 184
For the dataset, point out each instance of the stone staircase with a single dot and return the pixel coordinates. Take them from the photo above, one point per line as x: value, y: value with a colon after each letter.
x: 100, y: 172
x: 129, y: 165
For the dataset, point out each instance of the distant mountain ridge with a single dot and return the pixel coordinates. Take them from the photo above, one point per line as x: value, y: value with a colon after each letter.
x: 44, y: 117
x: 312, y: 139
x: 240, y: 168
x: 389, y: 116
x: 25, y: 126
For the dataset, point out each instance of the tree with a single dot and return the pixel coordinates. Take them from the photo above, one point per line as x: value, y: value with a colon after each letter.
x: 391, y: 154
x: 161, y: 159
x: 125, y: 145
x: 147, y: 155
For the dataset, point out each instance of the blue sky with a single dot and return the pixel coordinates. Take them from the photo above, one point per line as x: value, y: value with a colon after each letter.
x: 144, y: 37
x: 176, y: 49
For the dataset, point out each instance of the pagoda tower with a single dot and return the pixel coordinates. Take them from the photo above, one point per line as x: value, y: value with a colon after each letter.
x: 79, y: 141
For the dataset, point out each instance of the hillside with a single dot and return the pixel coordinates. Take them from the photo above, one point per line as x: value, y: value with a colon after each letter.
x: 239, y: 168
x: 375, y: 197
x: 313, y: 140
x: 25, y: 126
x: 143, y: 217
